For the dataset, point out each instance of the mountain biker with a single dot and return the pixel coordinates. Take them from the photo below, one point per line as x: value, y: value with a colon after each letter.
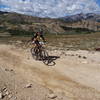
x: 37, y: 37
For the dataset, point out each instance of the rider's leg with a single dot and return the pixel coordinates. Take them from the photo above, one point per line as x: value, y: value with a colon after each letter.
x: 38, y: 51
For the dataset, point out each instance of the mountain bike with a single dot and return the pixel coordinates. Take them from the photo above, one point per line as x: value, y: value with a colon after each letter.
x: 39, y: 53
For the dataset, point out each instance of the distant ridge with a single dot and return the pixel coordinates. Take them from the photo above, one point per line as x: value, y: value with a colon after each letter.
x: 81, y: 16
x: 19, y: 23
x: 2, y: 12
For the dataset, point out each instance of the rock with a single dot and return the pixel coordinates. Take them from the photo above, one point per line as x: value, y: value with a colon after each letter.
x: 72, y: 54
x: 67, y: 49
x: 6, y: 69
x: 84, y: 62
x: 19, y: 42
x: 7, y: 93
x: 28, y: 86
x: 4, y: 89
x: 79, y: 56
x: 11, y: 70
x: 15, y: 98
x: 84, y: 57
x: 1, y: 95
x: 9, y: 96
x: 52, y: 96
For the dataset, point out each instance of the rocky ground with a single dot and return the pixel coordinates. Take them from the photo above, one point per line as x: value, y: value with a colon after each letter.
x: 75, y: 75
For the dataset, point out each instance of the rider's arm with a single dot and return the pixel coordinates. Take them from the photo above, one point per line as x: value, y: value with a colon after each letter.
x: 32, y: 38
x: 43, y: 38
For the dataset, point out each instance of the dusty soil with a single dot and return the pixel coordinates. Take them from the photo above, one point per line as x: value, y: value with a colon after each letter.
x: 75, y: 76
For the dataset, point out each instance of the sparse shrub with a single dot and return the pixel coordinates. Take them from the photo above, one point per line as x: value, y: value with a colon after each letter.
x: 17, y: 32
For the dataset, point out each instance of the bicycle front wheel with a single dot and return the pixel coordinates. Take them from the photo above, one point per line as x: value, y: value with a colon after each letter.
x: 45, y: 57
x: 47, y: 60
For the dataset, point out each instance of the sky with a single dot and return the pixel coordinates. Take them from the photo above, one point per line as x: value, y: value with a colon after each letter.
x: 50, y: 8
x: 98, y: 1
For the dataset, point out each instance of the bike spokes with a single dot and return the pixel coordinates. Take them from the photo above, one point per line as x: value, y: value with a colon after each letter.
x: 41, y: 54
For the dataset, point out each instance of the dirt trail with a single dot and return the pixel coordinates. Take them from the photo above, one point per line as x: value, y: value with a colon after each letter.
x: 76, y: 75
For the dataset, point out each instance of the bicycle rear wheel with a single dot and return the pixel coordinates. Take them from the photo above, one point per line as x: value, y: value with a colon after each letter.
x: 34, y: 53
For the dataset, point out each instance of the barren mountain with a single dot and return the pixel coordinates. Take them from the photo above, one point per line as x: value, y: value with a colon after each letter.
x: 13, y: 23
x: 90, y: 21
